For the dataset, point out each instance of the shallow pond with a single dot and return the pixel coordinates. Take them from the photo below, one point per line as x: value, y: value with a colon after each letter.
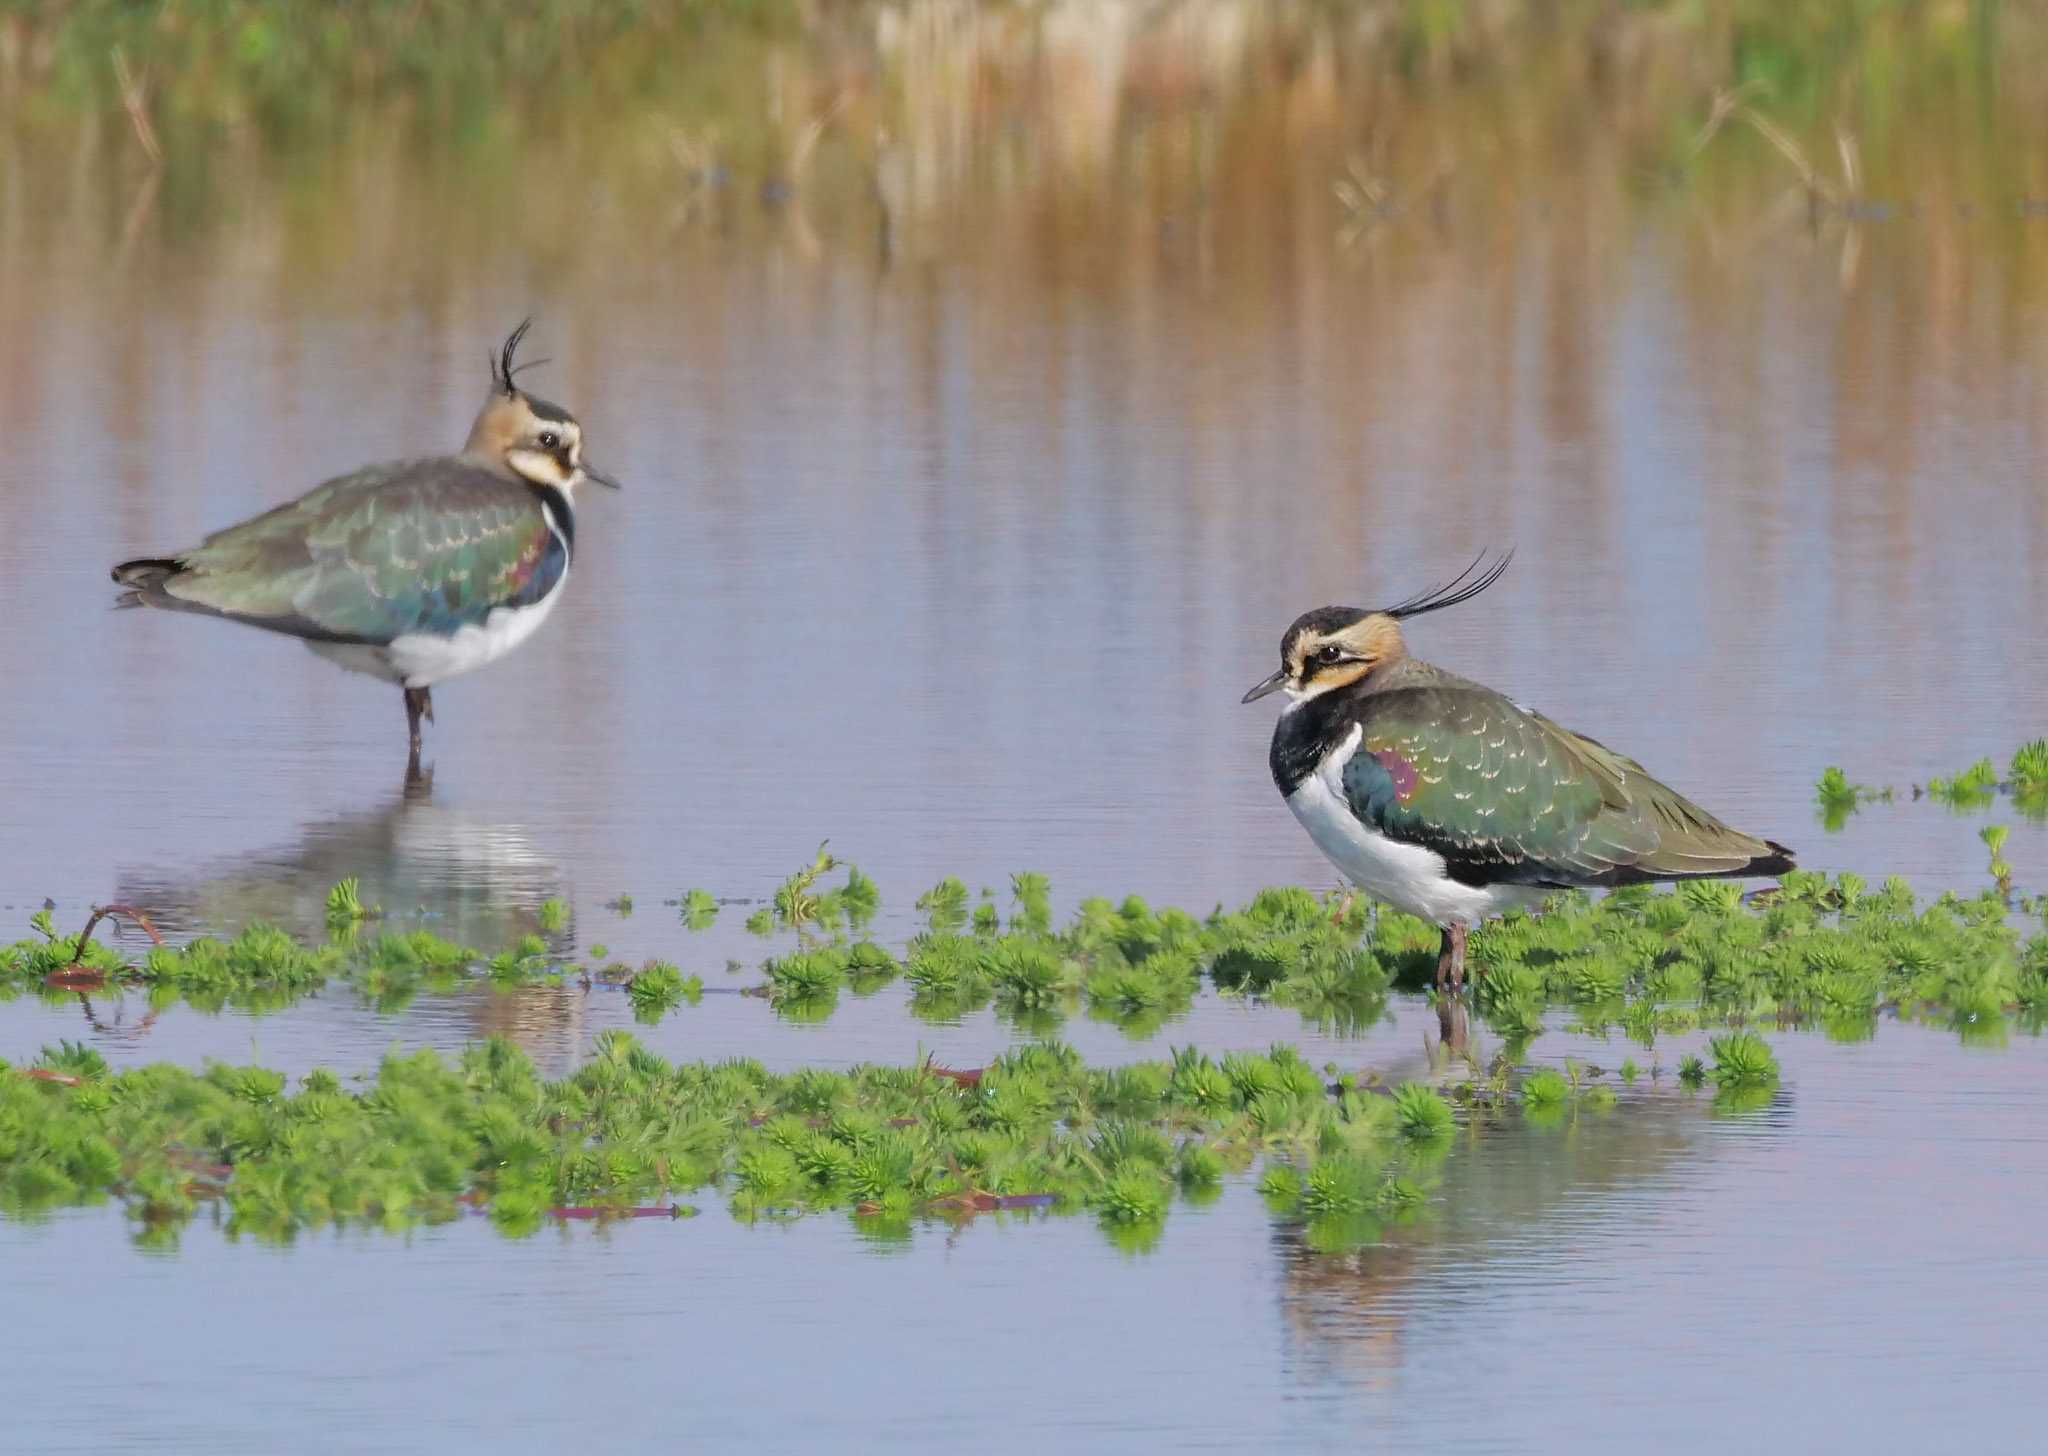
x: 1853, y: 1266
x: 969, y: 484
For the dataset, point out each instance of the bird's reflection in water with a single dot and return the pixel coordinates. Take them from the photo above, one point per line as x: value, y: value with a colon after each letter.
x: 473, y: 880
x: 428, y: 866
x: 1515, y: 1196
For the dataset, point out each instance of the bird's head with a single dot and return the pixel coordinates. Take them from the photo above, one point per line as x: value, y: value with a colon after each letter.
x: 526, y: 436
x: 1333, y: 647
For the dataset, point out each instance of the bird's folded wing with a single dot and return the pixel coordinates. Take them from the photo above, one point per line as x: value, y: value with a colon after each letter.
x: 423, y: 546
x: 1506, y: 795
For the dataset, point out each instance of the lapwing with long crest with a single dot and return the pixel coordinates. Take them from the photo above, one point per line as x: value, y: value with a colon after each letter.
x: 414, y: 571
x: 1446, y: 800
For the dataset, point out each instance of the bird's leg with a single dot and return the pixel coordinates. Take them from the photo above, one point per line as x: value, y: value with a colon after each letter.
x: 1452, y: 1026
x: 1450, y: 962
x: 419, y: 703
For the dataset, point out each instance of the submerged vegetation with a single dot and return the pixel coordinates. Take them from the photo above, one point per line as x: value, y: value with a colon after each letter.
x: 1968, y: 790
x: 426, y: 1139
x: 1814, y: 950
x: 429, y: 1139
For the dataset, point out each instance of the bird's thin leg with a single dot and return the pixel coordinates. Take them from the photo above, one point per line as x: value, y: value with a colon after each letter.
x: 419, y: 703
x: 1452, y: 1025
x: 1443, y: 964
x: 1454, y: 938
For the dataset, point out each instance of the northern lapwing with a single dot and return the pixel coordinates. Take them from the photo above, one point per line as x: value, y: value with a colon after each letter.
x: 1445, y: 799
x: 414, y: 571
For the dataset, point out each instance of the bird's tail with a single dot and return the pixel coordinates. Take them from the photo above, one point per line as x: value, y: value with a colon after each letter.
x: 146, y: 571
x: 145, y: 577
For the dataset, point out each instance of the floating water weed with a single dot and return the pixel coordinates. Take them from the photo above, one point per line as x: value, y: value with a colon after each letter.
x: 1032, y: 894
x: 1973, y: 788
x: 945, y: 906
x: 554, y: 915
x: 1422, y: 1112
x: 1828, y: 948
x: 1742, y: 1059
x: 1839, y: 798
x: 698, y: 909
x: 1029, y: 973
x: 345, y: 906
x: 658, y: 987
x: 1994, y: 837
x: 1545, y: 1087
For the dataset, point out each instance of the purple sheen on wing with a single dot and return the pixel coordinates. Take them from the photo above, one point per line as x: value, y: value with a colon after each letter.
x: 1400, y: 770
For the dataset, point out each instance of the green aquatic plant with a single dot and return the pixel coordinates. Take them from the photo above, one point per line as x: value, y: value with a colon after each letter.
x: 1546, y: 1087
x: 1029, y: 972
x: 1838, y: 798
x: 658, y: 987
x: 859, y: 899
x: 1645, y: 962
x: 944, y: 906
x: 807, y: 974
x: 698, y: 909
x: 796, y: 902
x: 1031, y: 893
x: 1742, y: 1059
x: 1994, y: 837
x: 1421, y: 1111
x: 520, y: 962
x: 1973, y: 788
x: 554, y: 915
x: 345, y: 908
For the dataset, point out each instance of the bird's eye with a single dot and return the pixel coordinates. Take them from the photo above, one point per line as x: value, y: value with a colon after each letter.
x: 549, y: 439
x: 1329, y: 656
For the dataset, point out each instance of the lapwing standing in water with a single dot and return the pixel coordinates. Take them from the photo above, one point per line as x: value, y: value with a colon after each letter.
x: 414, y: 571
x: 1444, y: 799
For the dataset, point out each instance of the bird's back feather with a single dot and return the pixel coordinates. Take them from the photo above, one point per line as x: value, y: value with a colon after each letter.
x: 1506, y: 796
x: 417, y: 546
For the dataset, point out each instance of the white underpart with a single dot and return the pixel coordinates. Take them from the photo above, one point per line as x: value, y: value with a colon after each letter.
x: 421, y: 659
x: 1405, y: 876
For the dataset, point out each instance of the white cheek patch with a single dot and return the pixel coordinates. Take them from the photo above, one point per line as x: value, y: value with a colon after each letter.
x: 542, y: 469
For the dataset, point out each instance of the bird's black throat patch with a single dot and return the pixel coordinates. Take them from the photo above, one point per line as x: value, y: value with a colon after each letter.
x: 1305, y: 733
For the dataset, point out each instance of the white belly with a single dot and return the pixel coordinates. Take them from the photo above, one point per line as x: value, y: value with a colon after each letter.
x: 419, y: 659
x: 1405, y: 876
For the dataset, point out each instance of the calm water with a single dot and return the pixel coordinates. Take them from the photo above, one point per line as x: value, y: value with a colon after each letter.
x: 955, y: 525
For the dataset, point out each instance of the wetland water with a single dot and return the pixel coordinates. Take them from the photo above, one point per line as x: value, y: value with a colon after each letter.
x: 955, y: 524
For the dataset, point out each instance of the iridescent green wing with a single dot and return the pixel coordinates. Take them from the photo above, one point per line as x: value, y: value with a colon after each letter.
x: 1492, y: 789
x: 420, y: 546
x: 1506, y: 795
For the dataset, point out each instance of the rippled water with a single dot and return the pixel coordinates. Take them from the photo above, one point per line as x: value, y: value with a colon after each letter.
x: 1853, y: 1267
x: 956, y: 522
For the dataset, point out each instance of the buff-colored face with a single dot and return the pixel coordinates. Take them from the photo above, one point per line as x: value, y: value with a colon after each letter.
x: 537, y: 441
x: 1331, y: 649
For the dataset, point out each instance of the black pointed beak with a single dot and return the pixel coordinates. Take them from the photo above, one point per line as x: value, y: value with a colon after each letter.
x: 593, y: 473
x: 1272, y: 684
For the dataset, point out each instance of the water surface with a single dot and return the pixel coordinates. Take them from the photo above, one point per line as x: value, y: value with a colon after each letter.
x: 976, y: 461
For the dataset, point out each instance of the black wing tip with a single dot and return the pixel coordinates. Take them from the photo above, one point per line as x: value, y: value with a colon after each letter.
x: 1778, y: 862
x: 146, y: 571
